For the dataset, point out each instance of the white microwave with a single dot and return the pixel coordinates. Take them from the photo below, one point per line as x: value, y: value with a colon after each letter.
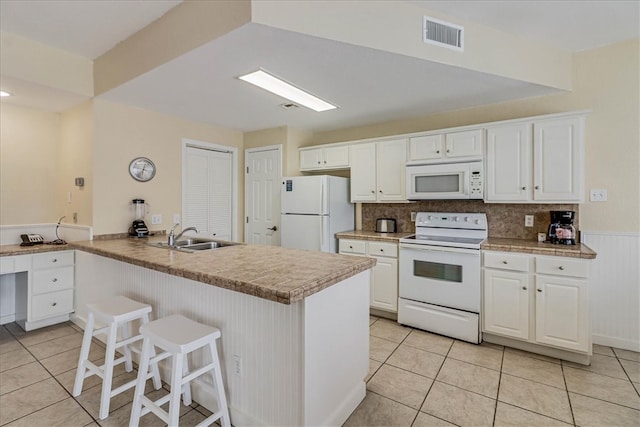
x: 445, y: 181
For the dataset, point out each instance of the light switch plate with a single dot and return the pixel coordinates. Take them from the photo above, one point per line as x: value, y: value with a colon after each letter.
x: 156, y: 219
x: 599, y: 195
x: 176, y: 218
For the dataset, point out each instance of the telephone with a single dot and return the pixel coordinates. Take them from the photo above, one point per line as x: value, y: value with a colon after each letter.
x: 31, y: 239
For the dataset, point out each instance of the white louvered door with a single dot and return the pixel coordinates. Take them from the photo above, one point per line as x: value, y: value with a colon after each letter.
x: 208, y: 192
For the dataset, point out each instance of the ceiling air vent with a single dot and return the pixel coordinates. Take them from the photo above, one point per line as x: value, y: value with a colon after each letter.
x: 442, y: 33
x: 289, y: 105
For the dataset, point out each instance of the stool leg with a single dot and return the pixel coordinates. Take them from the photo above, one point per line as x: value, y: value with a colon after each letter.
x: 126, y: 333
x: 84, y: 355
x: 109, y: 358
x: 217, y: 380
x: 176, y: 390
x: 143, y: 368
x: 186, y: 388
x: 157, y: 384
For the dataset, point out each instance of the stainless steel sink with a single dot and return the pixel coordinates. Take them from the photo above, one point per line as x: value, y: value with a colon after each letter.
x: 194, y: 244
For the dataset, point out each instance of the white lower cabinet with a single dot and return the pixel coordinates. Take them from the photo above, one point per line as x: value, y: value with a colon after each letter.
x: 384, y: 277
x: 537, y: 298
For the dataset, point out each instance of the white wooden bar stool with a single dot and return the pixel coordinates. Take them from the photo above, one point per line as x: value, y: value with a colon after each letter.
x: 178, y: 336
x: 116, y: 312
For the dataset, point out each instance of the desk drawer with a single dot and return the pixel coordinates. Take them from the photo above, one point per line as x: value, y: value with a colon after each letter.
x: 383, y: 249
x: 353, y: 247
x: 52, y: 259
x: 52, y: 304
x: 506, y: 261
x: 52, y: 279
x: 560, y: 266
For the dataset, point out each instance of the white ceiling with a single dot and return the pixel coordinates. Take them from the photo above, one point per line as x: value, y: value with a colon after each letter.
x: 369, y: 85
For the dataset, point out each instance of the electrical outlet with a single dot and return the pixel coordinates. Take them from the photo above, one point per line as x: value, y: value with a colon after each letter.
x: 598, y: 196
x: 413, y: 216
x: 237, y: 364
x: 176, y: 218
x: 156, y: 219
x: 528, y: 220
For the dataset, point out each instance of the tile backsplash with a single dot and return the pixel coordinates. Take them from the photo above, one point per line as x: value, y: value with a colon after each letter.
x: 505, y: 220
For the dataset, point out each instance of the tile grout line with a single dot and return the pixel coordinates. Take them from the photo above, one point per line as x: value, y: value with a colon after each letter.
x: 566, y: 386
x: 495, y: 409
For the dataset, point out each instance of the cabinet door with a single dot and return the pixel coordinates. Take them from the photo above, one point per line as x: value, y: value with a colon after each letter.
x: 426, y: 147
x: 506, y: 303
x: 336, y: 157
x: 562, y: 312
x: 392, y: 160
x: 363, y: 172
x: 463, y: 144
x: 311, y: 159
x: 508, y: 163
x: 557, y: 158
x: 384, y: 284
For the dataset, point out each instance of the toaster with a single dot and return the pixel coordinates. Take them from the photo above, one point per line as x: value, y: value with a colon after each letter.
x: 385, y: 225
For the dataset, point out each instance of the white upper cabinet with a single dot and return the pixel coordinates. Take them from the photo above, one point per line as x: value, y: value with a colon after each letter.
x: 535, y: 162
x: 332, y: 157
x: 444, y: 146
x: 378, y: 171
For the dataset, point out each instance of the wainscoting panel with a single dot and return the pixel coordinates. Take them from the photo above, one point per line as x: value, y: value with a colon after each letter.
x: 615, y: 289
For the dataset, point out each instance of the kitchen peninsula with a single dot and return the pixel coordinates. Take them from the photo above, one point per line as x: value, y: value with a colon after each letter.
x: 287, y: 319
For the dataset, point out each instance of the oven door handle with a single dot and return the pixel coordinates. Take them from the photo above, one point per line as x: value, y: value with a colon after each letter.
x: 430, y: 248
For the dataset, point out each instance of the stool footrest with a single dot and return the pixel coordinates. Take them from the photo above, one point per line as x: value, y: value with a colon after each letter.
x: 149, y: 405
x: 195, y: 374
x: 210, y: 419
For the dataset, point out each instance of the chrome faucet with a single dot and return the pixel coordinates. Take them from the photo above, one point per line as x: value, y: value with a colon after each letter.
x: 173, y: 238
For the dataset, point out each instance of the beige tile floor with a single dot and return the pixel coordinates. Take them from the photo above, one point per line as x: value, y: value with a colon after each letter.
x: 37, y: 372
x: 421, y: 379
x: 415, y: 379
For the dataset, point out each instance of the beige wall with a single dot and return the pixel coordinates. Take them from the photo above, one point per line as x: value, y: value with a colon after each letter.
x: 29, y: 141
x: 607, y: 82
x: 122, y: 133
x: 76, y: 160
x: 290, y: 138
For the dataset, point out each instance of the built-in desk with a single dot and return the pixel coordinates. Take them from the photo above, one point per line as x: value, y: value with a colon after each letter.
x: 36, y: 285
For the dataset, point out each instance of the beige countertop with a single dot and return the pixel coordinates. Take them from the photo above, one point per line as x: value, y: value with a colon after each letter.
x: 10, y: 250
x: 533, y: 247
x: 372, y: 235
x: 269, y: 272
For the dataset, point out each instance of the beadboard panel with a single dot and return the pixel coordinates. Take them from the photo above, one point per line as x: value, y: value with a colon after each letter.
x: 615, y: 289
x: 268, y: 336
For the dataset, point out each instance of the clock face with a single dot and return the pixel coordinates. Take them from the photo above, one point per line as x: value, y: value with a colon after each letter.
x: 142, y: 169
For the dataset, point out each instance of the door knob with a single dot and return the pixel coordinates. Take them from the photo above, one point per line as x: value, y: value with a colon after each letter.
x: 274, y: 228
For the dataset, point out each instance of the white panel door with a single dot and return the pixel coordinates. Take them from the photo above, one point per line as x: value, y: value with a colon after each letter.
x: 508, y: 163
x: 262, y: 196
x: 391, y: 165
x: 363, y: 173
x: 384, y: 284
x: 208, y: 190
x: 506, y: 303
x: 463, y: 144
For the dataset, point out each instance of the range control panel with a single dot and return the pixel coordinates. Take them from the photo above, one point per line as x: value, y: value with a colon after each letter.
x: 469, y: 221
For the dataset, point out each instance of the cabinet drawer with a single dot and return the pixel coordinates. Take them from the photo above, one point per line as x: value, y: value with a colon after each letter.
x: 559, y: 266
x: 52, y: 304
x: 353, y: 247
x: 52, y: 259
x: 52, y: 279
x: 383, y: 249
x: 506, y: 261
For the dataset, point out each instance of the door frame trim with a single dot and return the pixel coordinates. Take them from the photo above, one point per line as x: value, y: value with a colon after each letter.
x: 204, y: 145
x: 277, y: 147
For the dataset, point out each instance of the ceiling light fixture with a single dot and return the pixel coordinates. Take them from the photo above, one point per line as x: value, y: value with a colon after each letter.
x: 275, y: 85
x: 3, y: 93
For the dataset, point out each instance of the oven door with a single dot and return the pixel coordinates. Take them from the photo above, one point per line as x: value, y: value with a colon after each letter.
x: 448, y: 277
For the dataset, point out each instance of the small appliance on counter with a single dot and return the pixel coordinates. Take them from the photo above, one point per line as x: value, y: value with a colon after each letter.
x: 561, y: 230
x: 138, y: 227
x: 386, y: 225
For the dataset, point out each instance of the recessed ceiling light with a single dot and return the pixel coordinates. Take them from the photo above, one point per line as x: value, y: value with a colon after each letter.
x: 286, y: 90
x: 3, y: 93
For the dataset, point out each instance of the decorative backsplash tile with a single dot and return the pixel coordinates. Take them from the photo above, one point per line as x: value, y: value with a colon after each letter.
x: 505, y: 220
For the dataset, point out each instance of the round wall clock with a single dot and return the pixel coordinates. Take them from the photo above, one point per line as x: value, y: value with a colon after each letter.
x: 142, y: 169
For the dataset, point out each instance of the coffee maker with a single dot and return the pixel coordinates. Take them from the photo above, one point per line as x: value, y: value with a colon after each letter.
x: 138, y: 227
x: 561, y: 229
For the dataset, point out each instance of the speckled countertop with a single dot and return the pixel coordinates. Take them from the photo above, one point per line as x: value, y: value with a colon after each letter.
x: 270, y: 272
x: 533, y: 247
x: 372, y: 235
x: 10, y: 250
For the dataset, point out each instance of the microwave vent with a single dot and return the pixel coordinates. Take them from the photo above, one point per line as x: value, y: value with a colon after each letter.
x: 435, y: 31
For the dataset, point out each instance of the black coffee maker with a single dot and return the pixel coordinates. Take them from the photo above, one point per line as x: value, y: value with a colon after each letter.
x: 561, y: 229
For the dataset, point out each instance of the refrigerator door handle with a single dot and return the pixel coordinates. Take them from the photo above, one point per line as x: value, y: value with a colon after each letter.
x: 321, y: 234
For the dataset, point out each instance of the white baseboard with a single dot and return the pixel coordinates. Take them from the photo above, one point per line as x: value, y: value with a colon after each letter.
x: 622, y: 343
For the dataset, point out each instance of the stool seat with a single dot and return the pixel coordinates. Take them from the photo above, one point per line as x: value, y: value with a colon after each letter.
x: 117, y: 313
x: 177, y: 336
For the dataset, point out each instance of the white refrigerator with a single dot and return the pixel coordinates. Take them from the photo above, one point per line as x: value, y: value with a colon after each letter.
x: 314, y: 209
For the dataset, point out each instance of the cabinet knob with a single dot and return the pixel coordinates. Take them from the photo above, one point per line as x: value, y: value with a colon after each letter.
x: 524, y: 288
x: 537, y: 187
x: 54, y: 260
x: 318, y: 161
x: 380, y: 191
x: 437, y: 151
x: 373, y: 192
x: 350, y: 247
x: 524, y: 188
x: 448, y: 151
x: 54, y: 304
x: 325, y: 162
x: 561, y: 268
x: 539, y: 290
x: 55, y: 279
x: 505, y: 262
x: 381, y: 250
